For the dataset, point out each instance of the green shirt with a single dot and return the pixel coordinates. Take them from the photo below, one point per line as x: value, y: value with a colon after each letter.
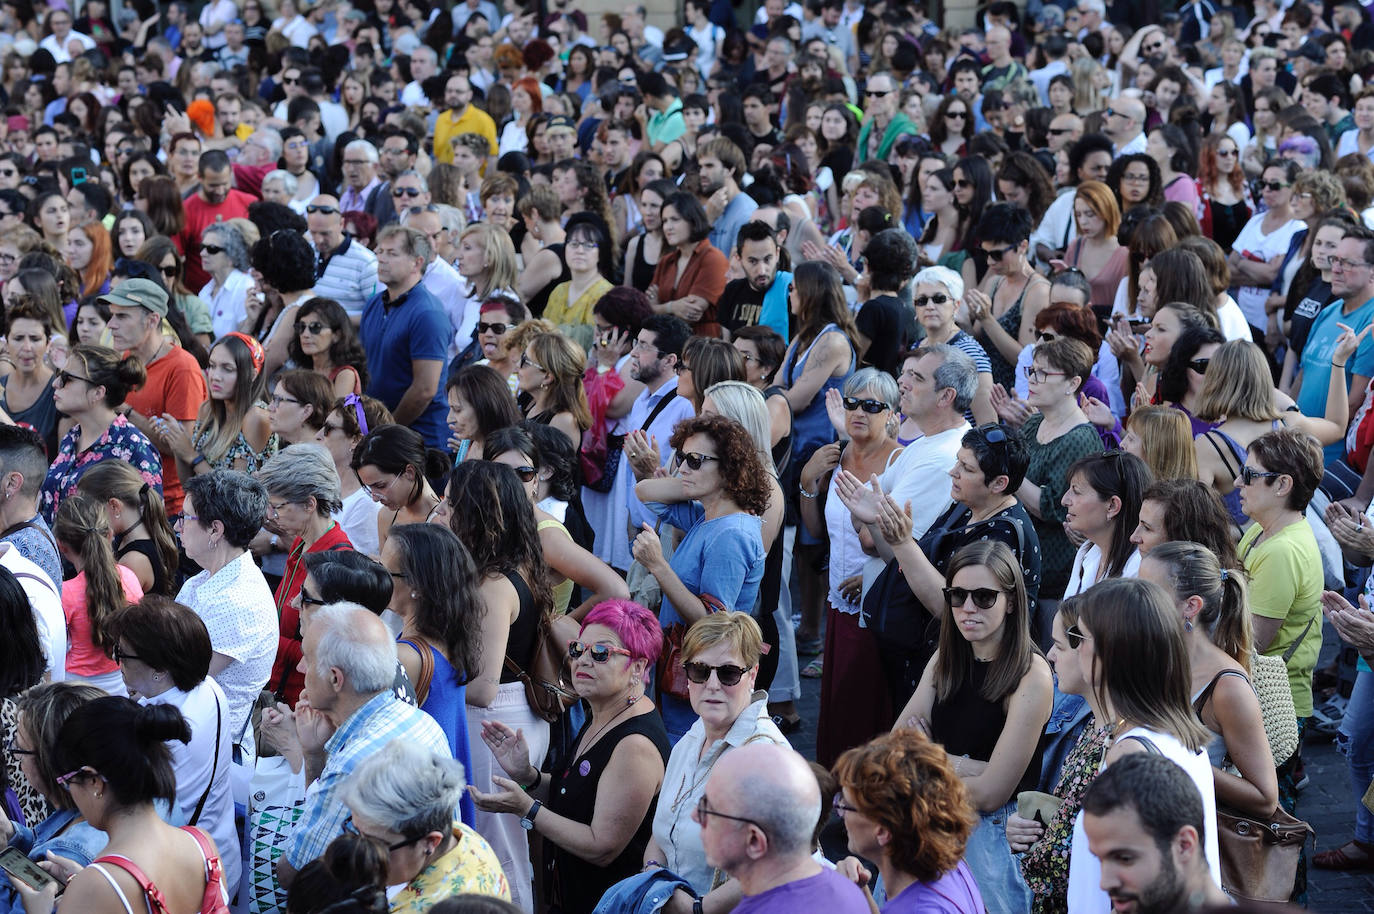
x: 1049, y: 470
x: 665, y: 126
x: 1286, y: 582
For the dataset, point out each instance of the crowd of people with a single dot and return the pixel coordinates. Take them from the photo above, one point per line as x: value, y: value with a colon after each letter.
x: 437, y: 440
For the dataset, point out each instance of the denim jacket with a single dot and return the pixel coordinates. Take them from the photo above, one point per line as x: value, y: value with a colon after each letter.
x: 645, y: 893
x: 81, y: 842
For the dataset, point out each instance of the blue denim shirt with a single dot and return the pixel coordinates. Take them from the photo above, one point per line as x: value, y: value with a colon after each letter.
x: 81, y: 842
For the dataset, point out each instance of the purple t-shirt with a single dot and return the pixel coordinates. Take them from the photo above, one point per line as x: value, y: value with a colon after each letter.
x: 826, y: 891
x: 953, y: 893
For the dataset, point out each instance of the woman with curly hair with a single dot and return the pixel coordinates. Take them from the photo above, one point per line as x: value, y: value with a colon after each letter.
x: 285, y: 261
x: 1137, y: 182
x: 326, y: 340
x: 905, y: 785
x: 550, y: 381
x: 952, y: 126
x: 1023, y: 180
x: 720, y: 492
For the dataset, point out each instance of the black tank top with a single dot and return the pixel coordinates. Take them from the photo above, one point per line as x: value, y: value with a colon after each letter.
x: 540, y: 300
x: 641, y: 272
x: 147, y: 549
x: 968, y: 724
x: 520, y: 641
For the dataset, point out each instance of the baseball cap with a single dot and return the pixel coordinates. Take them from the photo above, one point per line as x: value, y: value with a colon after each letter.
x: 560, y: 122
x: 1311, y: 50
x: 138, y: 293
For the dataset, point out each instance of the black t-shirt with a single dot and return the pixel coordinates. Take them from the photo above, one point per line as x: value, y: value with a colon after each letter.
x: 890, y: 328
x: 739, y: 305
x: 1309, y: 305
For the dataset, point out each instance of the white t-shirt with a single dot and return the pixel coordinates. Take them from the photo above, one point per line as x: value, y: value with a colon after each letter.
x: 1234, y: 326
x: 1088, y: 562
x: 920, y: 475
x: 47, y: 608
x: 1253, y: 240
x: 195, y: 765
x: 358, y: 517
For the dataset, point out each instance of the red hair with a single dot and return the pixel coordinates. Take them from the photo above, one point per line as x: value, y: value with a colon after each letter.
x: 1207, y: 170
x: 531, y: 86
x: 102, y: 258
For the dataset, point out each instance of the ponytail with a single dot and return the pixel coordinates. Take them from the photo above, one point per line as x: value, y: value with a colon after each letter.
x: 1232, y: 631
x: 152, y: 510
x: 1195, y: 571
x: 114, y: 479
x: 82, y: 526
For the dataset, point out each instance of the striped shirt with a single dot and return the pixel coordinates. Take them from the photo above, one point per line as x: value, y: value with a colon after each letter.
x: 349, y: 276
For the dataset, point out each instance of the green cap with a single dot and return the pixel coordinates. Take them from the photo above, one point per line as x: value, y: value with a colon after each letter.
x: 138, y: 293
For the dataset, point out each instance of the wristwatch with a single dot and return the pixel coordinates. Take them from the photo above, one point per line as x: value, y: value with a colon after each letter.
x: 527, y: 820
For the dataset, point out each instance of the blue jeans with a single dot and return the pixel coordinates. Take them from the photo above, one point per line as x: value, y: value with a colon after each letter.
x: 1356, y: 741
x: 996, y: 869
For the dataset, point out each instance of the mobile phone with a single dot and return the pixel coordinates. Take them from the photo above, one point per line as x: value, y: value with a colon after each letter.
x: 1139, y: 323
x: 19, y: 866
x: 78, y: 175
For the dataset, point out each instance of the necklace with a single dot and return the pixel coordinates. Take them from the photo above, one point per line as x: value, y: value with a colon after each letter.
x: 586, y: 747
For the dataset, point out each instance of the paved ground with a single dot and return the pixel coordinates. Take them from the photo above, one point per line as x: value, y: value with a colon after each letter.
x: 1327, y: 804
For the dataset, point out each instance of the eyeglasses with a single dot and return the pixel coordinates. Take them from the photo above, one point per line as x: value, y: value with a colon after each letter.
x: 601, y: 652
x: 1136, y: 179
x: 321, y: 208
x: 983, y: 597
x: 996, y: 254
x: 183, y: 518
x: 65, y: 781
x: 1074, y: 635
x: 704, y: 810
x: 274, y: 509
x: 291, y: 80
x: 12, y: 749
x: 350, y: 828
x: 1199, y: 365
x: 1249, y: 474
x: 992, y: 434
x: 1273, y: 185
x: 1038, y: 375
x: 872, y: 407
x: 278, y: 400
x: 65, y: 377
x: 307, y: 600
x: 295, y: 145
x: 1157, y: 46
x: 357, y: 162
x: 1227, y: 153
x: 956, y: 115
x: 211, y: 249
x: 680, y: 367
x: 315, y: 327
x: 580, y: 245
x: 1345, y: 263
x: 411, y: 192
x: 694, y: 461
x: 841, y: 807
x: 641, y: 346
x: 727, y: 674
x: 921, y: 301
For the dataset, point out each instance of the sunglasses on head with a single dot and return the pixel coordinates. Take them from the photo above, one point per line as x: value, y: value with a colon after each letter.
x: 872, y: 407
x: 498, y: 329
x: 727, y: 674
x: 694, y: 462
x: 315, y: 327
x: 600, y: 652
x: 1249, y: 474
x: 983, y: 597
x: 939, y: 298
x: 321, y: 208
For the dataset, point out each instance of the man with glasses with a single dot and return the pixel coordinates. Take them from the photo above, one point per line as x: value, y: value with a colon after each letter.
x: 405, y: 333
x: 461, y: 116
x: 1352, y: 283
x: 757, y: 816
x: 349, y: 661
x: 214, y: 201
x: 360, y: 176
x: 1125, y: 125
x: 398, y: 154
x: 347, y: 272
x: 175, y: 388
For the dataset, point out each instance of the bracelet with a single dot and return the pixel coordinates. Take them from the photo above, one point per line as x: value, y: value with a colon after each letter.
x: 199, y: 459
x: 649, y: 863
x: 538, y: 779
x: 1335, y: 364
x: 805, y: 494
x: 697, y: 908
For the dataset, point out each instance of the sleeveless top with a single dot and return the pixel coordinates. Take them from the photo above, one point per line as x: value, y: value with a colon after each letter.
x: 571, y: 882
x: 1216, y: 746
x: 147, y: 549
x: 523, y: 631
x: 1004, y: 372
x: 782, y: 451
x: 811, y: 428
x: 539, y: 300
x: 41, y: 416
x: 641, y: 271
x: 1232, y: 498
x: 968, y: 724
x: 213, y: 900
x: 447, y: 704
x: 357, y: 378
x: 563, y: 590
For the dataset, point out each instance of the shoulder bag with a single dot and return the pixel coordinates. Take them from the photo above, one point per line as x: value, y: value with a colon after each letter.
x: 547, y: 681
x: 672, y: 675
x: 426, y: 676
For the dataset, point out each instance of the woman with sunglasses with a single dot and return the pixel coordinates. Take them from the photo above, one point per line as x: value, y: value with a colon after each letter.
x: 720, y: 657
x: 1184, y: 372
x: 1259, y: 249
x: 551, y: 389
x: 394, y: 466
x: 33, y: 720
x: 1225, y: 194
x: 1002, y: 310
x: 88, y: 390
x: 346, y: 423
x: 594, y: 814
x: 326, y: 341
x: 985, y: 697
x: 1134, y: 659
x: 497, y: 317
x: 937, y: 296
x: 952, y: 126
x: 224, y: 255
x: 1102, y: 505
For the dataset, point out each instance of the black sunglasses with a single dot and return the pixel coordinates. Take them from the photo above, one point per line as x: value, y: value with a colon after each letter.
x: 872, y: 407
x: 406, y: 191
x: 321, y: 208
x: 998, y: 253
x: 526, y: 473
x: 307, y: 600
x: 921, y: 301
x: 694, y: 462
x: 168, y: 271
x: 1074, y: 635
x: 1249, y: 474
x: 1272, y: 185
x: 1199, y: 365
x: 498, y: 329
x: 211, y: 249
x: 315, y: 327
x: 983, y: 597
x: 728, y: 674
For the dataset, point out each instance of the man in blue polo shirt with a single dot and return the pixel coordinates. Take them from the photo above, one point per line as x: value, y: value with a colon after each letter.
x: 405, y: 332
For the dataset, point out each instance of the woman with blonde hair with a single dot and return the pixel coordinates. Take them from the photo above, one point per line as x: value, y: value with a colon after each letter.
x: 1097, y: 253
x: 1162, y: 437
x: 1088, y: 90
x: 486, y: 259
x: 550, y: 380
x: 90, y: 253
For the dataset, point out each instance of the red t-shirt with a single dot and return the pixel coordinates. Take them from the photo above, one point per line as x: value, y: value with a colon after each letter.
x: 200, y: 214
x: 248, y: 178
x: 177, y: 386
x: 289, y: 631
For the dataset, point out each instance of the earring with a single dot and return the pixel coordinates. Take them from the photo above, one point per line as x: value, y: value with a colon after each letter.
x: 414, y: 594
x: 1187, y: 625
x: 157, y: 677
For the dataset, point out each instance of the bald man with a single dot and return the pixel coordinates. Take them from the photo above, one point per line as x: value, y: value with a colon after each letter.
x: 1126, y: 125
x: 757, y: 818
x: 1064, y: 131
x: 346, y: 272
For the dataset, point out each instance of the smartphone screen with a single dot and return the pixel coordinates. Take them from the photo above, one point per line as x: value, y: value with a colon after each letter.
x: 20, y: 867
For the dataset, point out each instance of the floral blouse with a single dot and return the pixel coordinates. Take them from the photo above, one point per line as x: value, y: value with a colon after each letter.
x: 1046, y: 865
x: 470, y: 868
x: 121, y: 441
x: 240, y: 448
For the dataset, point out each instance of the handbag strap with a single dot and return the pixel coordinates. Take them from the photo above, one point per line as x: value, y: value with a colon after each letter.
x: 658, y: 408
x: 214, y: 766
x: 1148, y: 743
x: 1297, y: 642
x: 426, y: 676
x: 23, y: 524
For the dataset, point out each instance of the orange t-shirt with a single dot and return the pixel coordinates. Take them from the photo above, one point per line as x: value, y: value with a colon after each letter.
x: 175, y: 385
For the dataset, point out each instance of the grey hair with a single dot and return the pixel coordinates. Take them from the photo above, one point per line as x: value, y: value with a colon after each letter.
x: 268, y: 139
x: 207, y: 70
x: 367, y: 149
x: 451, y: 217
x: 287, y: 179
x: 233, y: 498
x: 301, y: 472
x: 412, y: 173
x: 368, y: 662
x: 425, y: 50
x: 743, y: 403
x: 876, y: 381
x: 407, y: 789
x: 235, y: 247
x: 957, y: 371
x: 775, y: 806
